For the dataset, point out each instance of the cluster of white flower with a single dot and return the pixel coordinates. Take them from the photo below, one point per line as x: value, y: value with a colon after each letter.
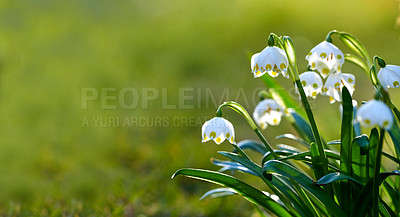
x: 327, y: 60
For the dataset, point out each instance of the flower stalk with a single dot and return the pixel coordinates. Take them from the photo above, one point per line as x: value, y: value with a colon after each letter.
x: 289, y: 48
x: 239, y: 109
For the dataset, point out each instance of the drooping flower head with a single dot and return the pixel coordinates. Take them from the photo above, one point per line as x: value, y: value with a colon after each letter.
x: 389, y: 76
x: 267, y: 112
x: 334, y: 85
x: 373, y: 113
x: 312, y: 83
x: 218, y: 129
x: 271, y: 60
x: 326, y: 58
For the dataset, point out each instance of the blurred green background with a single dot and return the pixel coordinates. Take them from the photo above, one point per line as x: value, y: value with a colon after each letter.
x: 54, y: 163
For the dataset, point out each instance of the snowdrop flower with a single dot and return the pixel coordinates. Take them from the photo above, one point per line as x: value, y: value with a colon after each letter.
x: 312, y: 83
x: 271, y: 60
x: 375, y: 112
x: 267, y: 112
x: 334, y: 85
x: 218, y: 129
x: 326, y: 58
x: 389, y: 76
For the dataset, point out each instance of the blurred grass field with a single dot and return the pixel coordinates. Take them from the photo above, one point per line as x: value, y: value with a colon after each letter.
x: 51, y: 164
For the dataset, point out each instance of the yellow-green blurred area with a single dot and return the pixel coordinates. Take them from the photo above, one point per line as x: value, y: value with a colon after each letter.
x: 59, y: 158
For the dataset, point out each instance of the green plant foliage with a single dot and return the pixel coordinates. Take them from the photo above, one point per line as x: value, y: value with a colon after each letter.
x: 309, y: 178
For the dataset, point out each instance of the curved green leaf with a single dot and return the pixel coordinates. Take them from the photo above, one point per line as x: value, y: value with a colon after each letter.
x: 394, y: 134
x: 283, y: 169
x: 334, y: 142
x: 357, y: 61
x: 252, y: 145
x: 332, y: 177
x: 268, y: 156
x: 364, y: 200
x: 354, y: 44
x: 394, y: 159
x: 250, y: 193
x: 316, y: 161
x: 345, y: 147
x: 363, y: 142
x: 244, y: 162
x: 273, y: 185
x: 302, y: 127
x: 218, y: 192
x: 230, y: 165
x: 294, y: 138
x: 288, y: 148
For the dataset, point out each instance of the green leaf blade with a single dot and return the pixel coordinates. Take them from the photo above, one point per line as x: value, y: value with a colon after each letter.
x: 250, y: 193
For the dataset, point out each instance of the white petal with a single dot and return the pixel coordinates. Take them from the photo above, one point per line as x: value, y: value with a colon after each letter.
x: 217, y: 129
x: 334, y: 85
x: 312, y: 83
x: 267, y: 112
x: 389, y: 76
x: 271, y: 60
x: 375, y: 113
x: 326, y: 58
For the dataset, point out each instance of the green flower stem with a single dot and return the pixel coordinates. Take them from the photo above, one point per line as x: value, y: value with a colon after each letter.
x: 377, y: 167
x: 240, y: 151
x: 314, y: 128
x: 276, y: 39
x: 239, y: 109
x: 265, y: 142
x: 291, y: 54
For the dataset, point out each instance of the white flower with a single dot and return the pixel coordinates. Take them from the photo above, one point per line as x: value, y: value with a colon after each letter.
x: 375, y: 112
x: 267, y: 112
x: 334, y: 85
x: 312, y: 83
x: 389, y: 76
x: 271, y: 60
x: 326, y: 58
x: 218, y: 129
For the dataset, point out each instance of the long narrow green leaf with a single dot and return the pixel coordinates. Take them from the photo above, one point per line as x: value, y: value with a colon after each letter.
x: 257, y: 170
x: 305, y: 199
x: 218, y: 192
x: 332, y: 177
x: 363, y: 142
x: 345, y: 148
x: 357, y: 162
x: 364, y: 200
x: 394, y: 195
x: 283, y: 169
x: 385, y: 210
x: 303, y: 127
x: 377, y: 168
x: 373, y: 143
x: 394, y: 134
x: 286, y: 187
x: 252, y: 145
x: 394, y: 159
x: 268, y: 156
x: 244, y: 162
x: 357, y: 61
x: 354, y: 44
x: 230, y: 165
x: 294, y: 138
x: 250, y: 193
x: 316, y: 161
